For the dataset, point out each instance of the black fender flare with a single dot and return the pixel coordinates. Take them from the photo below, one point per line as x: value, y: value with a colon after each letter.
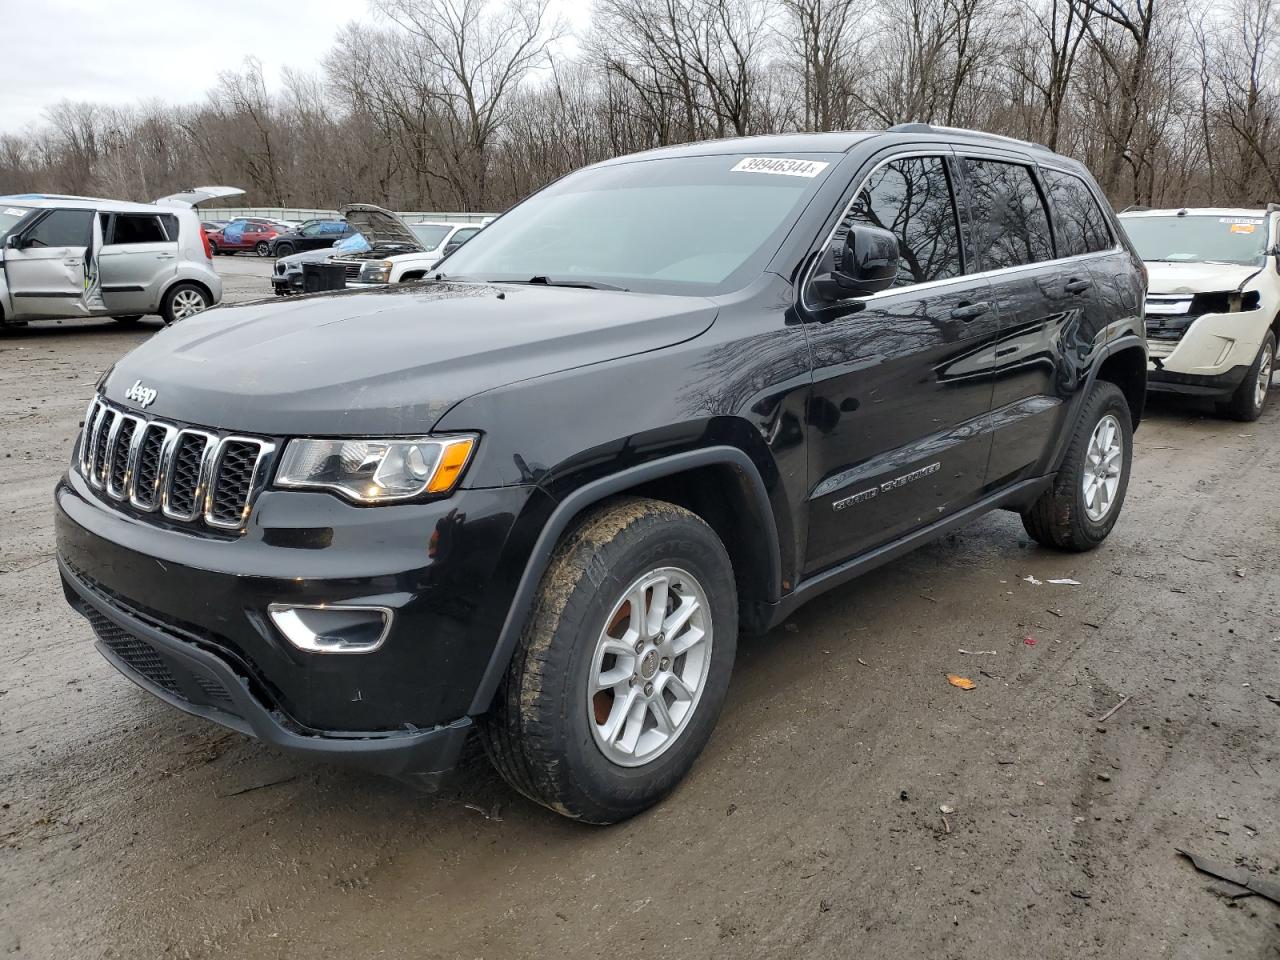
x: 1129, y: 341
x: 585, y: 496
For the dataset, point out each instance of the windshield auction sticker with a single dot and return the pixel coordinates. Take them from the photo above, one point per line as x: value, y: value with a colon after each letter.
x: 782, y: 166
x: 1243, y: 227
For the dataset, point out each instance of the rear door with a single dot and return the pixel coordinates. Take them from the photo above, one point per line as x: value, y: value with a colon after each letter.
x: 898, y: 421
x: 52, y: 273
x: 139, y: 258
x: 1047, y: 310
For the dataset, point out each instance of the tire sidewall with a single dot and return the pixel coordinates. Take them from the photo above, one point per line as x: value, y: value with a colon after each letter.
x: 283, y: 250
x: 263, y: 249
x: 1103, y: 402
x: 695, y: 549
x: 1250, y: 385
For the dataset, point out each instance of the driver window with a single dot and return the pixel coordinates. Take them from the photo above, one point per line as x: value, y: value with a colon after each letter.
x: 63, y: 228
x: 911, y: 198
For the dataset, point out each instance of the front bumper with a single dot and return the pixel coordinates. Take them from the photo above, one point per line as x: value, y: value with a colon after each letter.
x: 197, y: 601
x: 1213, y: 346
x: 185, y: 675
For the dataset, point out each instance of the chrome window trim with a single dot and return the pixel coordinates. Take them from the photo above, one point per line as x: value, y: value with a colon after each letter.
x: 122, y: 492
x: 166, y: 445
x: 265, y: 449
x: 98, y: 441
x: 942, y: 153
x: 202, y: 477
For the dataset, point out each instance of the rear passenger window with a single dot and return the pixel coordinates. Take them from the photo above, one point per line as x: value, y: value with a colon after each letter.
x: 1081, y: 224
x: 1011, y: 226
x: 63, y: 228
x: 137, y: 228
x: 912, y: 198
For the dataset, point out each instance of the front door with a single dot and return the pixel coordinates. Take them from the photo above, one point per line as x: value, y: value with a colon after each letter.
x: 898, y: 421
x: 137, y: 261
x: 50, y: 271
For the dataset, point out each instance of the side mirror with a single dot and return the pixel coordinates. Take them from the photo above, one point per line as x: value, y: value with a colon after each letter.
x: 14, y: 242
x: 450, y: 247
x: 867, y: 262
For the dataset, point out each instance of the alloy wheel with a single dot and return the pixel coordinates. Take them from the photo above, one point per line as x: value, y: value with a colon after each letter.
x: 1102, y: 464
x: 187, y: 303
x: 649, y: 666
x: 1264, y: 376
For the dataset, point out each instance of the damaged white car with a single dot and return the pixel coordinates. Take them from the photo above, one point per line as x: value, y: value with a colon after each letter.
x: 399, y: 251
x: 1213, y: 302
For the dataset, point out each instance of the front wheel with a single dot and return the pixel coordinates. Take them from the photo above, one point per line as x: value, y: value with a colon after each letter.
x: 283, y: 250
x: 623, y: 665
x: 1078, y: 511
x: 183, y: 300
x: 1251, y: 396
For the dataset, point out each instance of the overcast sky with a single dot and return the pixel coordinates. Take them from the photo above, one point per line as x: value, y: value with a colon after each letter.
x: 122, y: 51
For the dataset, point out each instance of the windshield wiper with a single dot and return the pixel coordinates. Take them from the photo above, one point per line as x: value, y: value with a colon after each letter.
x: 585, y: 284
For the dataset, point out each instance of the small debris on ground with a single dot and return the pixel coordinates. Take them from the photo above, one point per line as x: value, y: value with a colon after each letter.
x: 1029, y: 640
x: 1107, y: 716
x: 979, y: 653
x: 1033, y: 581
x: 964, y: 683
x: 1234, y: 875
x: 1066, y: 582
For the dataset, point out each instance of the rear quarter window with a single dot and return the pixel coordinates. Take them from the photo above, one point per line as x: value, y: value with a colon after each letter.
x: 1081, y: 226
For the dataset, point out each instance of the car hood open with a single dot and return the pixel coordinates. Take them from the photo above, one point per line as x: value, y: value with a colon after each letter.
x: 390, y: 360
x: 380, y: 227
x: 1197, y: 277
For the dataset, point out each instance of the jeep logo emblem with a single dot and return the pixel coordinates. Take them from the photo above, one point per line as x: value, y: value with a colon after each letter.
x: 142, y: 396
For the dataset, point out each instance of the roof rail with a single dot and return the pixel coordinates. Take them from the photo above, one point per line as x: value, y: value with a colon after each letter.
x: 916, y: 126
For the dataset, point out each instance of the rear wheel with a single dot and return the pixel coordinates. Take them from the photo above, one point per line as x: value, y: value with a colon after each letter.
x: 622, y: 669
x: 213, y: 249
x: 1251, y: 396
x: 262, y: 248
x: 183, y: 300
x: 1078, y: 511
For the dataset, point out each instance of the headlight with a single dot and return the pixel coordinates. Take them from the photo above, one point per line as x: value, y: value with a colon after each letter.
x: 375, y: 271
x: 376, y: 471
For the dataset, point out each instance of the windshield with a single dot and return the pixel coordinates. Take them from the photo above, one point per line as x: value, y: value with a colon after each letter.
x: 429, y: 234
x: 10, y: 216
x: 1198, y: 239
x: 689, y: 225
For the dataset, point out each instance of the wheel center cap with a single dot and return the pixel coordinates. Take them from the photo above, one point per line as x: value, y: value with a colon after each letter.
x: 649, y: 665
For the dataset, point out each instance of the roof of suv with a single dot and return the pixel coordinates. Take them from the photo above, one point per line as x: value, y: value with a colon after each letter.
x: 45, y: 200
x: 839, y: 141
x: 1200, y: 211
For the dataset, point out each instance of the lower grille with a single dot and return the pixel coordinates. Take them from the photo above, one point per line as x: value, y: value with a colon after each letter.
x: 137, y: 655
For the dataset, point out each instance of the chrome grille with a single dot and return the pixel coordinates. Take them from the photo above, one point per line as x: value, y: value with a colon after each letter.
x: 187, y: 474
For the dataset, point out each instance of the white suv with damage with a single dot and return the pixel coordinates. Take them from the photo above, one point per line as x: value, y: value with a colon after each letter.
x: 1213, y: 301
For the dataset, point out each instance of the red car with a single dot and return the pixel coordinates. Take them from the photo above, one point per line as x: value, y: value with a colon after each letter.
x: 245, y: 233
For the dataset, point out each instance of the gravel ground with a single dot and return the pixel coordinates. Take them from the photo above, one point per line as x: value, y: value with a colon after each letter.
x: 811, y: 826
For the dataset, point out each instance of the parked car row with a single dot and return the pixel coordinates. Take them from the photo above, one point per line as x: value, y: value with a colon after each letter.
x: 380, y: 248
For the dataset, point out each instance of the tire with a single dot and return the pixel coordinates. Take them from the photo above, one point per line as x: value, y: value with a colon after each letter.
x: 545, y: 735
x: 283, y: 250
x: 180, y: 302
x: 213, y: 249
x: 1251, y: 396
x: 1063, y: 517
x: 262, y: 248
x: 129, y: 321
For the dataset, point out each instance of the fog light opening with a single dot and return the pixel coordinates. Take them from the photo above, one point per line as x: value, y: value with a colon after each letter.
x: 322, y: 628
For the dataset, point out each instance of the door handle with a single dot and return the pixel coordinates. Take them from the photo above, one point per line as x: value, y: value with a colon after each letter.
x: 1077, y: 285
x: 165, y: 256
x: 970, y: 311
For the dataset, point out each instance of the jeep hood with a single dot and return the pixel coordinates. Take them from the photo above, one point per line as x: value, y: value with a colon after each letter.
x: 1197, y: 277
x: 390, y: 360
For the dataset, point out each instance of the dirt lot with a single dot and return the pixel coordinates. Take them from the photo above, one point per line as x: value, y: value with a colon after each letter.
x: 810, y: 828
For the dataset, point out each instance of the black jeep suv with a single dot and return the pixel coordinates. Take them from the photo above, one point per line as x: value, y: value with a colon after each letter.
x: 670, y: 396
